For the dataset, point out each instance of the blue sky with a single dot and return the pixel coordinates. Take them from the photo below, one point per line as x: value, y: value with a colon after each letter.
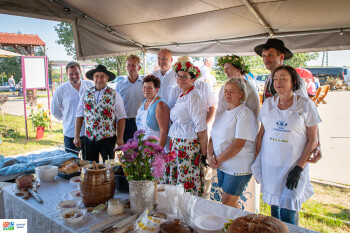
x: 45, y: 30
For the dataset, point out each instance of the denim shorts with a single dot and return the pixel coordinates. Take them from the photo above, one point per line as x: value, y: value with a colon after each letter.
x: 233, y: 185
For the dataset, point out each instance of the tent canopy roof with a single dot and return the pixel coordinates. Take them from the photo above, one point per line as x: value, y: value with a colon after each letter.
x: 194, y: 27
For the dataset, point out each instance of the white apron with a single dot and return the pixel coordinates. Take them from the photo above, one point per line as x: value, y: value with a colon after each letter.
x: 141, y: 118
x: 282, y: 145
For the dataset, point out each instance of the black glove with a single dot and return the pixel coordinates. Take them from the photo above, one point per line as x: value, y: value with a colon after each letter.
x: 204, y: 160
x: 293, y: 177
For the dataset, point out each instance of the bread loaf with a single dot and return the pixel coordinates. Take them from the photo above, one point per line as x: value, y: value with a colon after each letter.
x: 69, y: 168
x: 254, y: 223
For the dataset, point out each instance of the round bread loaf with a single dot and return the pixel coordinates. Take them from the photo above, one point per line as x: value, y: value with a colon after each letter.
x: 254, y: 223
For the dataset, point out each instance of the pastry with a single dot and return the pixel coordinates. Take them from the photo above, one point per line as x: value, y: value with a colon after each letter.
x: 69, y: 168
x: 24, y: 181
x: 254, y: 223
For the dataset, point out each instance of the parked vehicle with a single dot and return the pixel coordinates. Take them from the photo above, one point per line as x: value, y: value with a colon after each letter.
x: 260, y: 81
x: 333, y: 72
x: 5, y: 87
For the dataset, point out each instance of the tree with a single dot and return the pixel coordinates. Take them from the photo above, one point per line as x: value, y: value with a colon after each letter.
x: 66, y: 38
x: 301, y: 59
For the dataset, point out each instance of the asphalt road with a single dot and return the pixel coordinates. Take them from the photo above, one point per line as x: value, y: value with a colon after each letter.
x: 334, y: 134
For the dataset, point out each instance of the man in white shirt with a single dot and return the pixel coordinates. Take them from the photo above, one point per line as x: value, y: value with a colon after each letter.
x: 274, y: 53
x: 130, y: 89
x: 102, y: 110
x: 165, y: 73
x: 205, y: 71
x: 65, y: 103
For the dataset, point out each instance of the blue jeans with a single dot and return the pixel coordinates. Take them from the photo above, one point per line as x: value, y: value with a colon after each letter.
x: 285, y: 215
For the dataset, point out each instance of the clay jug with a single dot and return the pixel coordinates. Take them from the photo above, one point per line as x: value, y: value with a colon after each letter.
x: 97, y: 184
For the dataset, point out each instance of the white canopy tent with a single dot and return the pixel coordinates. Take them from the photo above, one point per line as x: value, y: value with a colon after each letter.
x: 5, y: 53
x: 193, y: 27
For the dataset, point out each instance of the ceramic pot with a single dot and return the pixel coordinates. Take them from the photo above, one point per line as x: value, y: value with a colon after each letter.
x: 40, y: 132
x: 142, y: 195
x: 97, y: 185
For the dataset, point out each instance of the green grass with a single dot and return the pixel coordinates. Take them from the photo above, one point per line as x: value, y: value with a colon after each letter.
x: 17, y: 145
x: 324, y: 211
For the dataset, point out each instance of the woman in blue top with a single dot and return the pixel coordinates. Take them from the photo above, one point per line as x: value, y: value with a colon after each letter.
x: 154, y: 115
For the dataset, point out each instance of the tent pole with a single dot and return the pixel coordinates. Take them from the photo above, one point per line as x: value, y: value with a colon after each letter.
x: 144, y: 61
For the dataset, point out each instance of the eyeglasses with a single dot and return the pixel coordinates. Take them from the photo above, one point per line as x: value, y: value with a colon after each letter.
x: 184, y: 77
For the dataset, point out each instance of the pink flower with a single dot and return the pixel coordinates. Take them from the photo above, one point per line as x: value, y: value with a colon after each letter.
x: 158, y: 166
x: 134, y: 145
x: 152, y: 138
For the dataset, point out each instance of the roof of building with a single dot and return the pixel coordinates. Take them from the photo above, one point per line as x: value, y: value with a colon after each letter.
x: 20, y: 39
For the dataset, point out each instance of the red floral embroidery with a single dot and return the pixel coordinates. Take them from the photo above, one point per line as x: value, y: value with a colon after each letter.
x: 88, y: 106
x: 187, y: 185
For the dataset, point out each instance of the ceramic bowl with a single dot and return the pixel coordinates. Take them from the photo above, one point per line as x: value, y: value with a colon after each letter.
x: 75, y: 180
x: 209, y: 223
x: 76, y: 194
x: 46, y: 173
x: 68, y: 205
x: 73, y: 216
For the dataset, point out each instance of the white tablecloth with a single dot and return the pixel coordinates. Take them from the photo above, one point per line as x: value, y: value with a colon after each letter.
x: 44, y: 217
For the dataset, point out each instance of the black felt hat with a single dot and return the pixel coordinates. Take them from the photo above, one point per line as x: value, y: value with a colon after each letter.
x: 274, y: 43
x: 100, y: 68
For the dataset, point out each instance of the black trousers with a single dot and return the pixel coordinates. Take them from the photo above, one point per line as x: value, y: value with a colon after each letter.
x: 68, y: 144
x: 104, y: 147
x: 130, y: 129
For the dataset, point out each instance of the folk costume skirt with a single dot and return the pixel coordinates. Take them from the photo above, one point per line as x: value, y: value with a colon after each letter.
x: 186, y: 168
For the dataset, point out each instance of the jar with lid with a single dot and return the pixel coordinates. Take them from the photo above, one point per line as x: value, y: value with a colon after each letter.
x: 115, y: 207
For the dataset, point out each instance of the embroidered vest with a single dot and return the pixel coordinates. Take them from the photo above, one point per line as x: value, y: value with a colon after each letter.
x: 100, y: 117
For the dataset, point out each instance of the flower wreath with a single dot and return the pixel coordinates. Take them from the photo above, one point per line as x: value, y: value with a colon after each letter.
x: 187, y: 67
x: 235, y: 61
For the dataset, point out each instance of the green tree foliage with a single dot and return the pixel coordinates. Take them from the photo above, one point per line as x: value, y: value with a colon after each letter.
x: 66, y: 38
x: 301, y: 59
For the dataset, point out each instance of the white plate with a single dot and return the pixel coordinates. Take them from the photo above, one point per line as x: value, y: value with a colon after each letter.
x: 209, y: 223
x: 73, y: 220
x: 75, y: 180
x: 76, y: 194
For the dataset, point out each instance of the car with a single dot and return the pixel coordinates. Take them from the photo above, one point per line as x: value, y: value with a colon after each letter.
x: 260, y: 81
x: 323, y: 73
x: 5, y: 87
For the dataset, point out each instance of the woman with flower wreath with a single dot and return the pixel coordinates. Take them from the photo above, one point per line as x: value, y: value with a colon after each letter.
x: 188, y: 133
x: 235, y: 67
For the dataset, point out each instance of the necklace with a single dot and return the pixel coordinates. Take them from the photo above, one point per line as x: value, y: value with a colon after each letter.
x: 188, y: 91
x: 150, y: 102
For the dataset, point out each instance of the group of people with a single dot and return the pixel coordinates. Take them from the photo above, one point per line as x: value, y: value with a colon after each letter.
x: 179, y: 108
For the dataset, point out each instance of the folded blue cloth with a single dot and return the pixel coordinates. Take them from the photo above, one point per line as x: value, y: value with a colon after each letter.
x: 10, y: 166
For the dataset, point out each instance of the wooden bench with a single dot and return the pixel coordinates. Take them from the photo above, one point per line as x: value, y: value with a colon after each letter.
x: 322, y: 94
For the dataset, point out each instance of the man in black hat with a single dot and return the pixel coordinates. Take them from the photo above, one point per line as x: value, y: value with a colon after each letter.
x: 274, y: 53
x: 102, y: 110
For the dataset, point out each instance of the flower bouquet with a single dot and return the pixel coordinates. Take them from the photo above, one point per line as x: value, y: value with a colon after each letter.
x: 40, y: 119
x: 143, y: 162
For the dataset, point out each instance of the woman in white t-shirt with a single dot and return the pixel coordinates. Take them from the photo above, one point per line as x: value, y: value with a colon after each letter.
x: 188, y: 132
x: 235, y: 67
x: 232, y: 144
x: 286, y: 140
